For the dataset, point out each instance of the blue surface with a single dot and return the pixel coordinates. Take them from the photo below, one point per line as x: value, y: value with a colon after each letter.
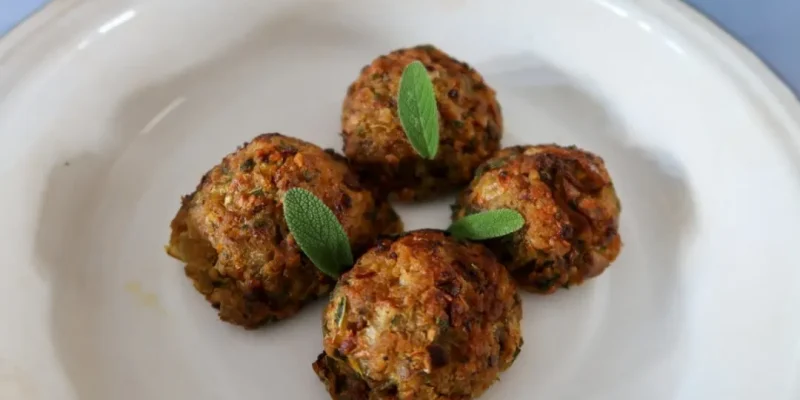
x: 771, y: 28
x: 13, y: 11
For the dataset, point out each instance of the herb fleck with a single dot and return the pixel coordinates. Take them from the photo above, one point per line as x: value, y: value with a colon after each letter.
x: 396, y: 320
x: 340, y: 311
x: 489, y: 165
x: 286, y: 148
x: 516, y: 353
x: 247, y: 165
x: 259, y: 222
x: 442, y: 323
x: 457, y: 123
x: 548, y: 283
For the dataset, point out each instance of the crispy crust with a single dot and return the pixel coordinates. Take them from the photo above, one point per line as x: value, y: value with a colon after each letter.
x: 343, y: 383
x: 470, y: 122
x: 570, y: 207
x: 422, y: 316
x: 233, y: 237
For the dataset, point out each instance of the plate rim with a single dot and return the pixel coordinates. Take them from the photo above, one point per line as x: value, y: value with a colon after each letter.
x: 24, y: 45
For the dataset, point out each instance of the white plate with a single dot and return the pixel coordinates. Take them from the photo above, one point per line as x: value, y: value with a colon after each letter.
x: 111, y: 110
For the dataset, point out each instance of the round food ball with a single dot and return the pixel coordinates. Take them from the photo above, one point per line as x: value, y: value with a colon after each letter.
x: 233, y: 237
x: 470, y: 126
x: 570, y: 207
x: 423, y: 316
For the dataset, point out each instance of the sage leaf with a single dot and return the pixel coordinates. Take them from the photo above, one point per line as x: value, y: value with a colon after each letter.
x: 416, y: 108
x: 487, y: 225
x: 317, y: 231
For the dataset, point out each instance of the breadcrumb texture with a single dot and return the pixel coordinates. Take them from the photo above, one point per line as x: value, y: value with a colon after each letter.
x: 232, y: 235
x: 422, y: 316
x: 570, y: 207
x: 470, y: 126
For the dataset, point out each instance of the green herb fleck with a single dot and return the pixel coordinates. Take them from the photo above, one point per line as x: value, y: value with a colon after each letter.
x: 285, y: 147
x: 259, y: 222
x: 416, y: 108
x: 548, y: 283
x: 340, y: 311
x: 257, y: 192
x: 442, y: 323
x: 308, y: 175
x: 487, y: 225
x: 396, y: 320
x: 457, y: 123
x: 317, y: 231
x: 247, y: 165
x: 516, y: 353
x: 491, y: 164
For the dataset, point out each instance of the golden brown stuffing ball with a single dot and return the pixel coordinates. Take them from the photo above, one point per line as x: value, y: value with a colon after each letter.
x: 233, y: 237
x: 470, y: 123
x: 570, y: 207
x: 423, y: 316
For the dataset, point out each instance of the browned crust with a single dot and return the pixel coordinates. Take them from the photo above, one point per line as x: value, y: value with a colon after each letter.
x: 471, y: 126
x: 421, y: 316
x: 342, y: 383
x: 570, y: 206
x: 232, y: 235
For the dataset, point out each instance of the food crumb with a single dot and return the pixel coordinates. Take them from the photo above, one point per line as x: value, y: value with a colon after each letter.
x: 143, y: 297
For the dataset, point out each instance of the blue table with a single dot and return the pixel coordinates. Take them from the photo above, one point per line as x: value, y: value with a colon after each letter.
x: 771, y: 28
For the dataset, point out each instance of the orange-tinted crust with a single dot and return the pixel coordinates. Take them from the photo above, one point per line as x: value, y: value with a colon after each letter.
x: 232, y: 234
x: 423, y: 316
x: 470, y: 122
x: 570, y: 207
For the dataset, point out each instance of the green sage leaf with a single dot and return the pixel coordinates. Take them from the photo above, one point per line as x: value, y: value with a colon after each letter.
x: 317, y: 231
x: 487, y: 225
x: 416, y: 108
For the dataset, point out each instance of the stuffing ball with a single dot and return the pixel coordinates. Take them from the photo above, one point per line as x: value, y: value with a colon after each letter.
x: 470, y: 129
x: 422, y: 316
x: 232, y: 235
x: 570, y: 207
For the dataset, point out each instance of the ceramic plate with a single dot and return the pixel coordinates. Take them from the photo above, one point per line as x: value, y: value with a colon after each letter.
x: 110, y: 111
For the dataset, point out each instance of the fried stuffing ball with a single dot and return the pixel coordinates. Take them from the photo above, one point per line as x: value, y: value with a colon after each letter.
x: 232, y: 235
x: 470, y: 122
x: 570, y: 207
x: 423, y: 316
